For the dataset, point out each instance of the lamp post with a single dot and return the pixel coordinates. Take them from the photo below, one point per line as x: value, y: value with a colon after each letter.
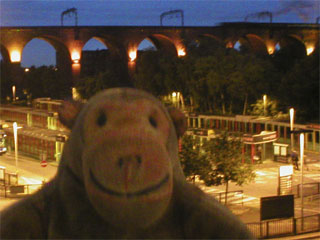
x: 13, y: 93
x: 301, y: 132
x: 301, y: 180
x: 291, y: 111
x: 264, y: 104
x: 15, y: 134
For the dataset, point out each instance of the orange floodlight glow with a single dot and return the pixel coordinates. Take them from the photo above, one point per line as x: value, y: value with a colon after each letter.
x: 310, y: 50
x: 270, y: 50
x: 15, y: 56
x: 181, y: 52
x: 75, y: 57
x: 132, y: 55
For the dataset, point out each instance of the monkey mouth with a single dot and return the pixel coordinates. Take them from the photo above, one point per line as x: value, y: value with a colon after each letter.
x: 129, y: 194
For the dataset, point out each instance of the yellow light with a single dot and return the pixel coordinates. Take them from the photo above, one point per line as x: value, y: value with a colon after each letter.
x: 291, y: 111
x: 13, y: 93
x: 285, y: 170
x: 26, y: 69
x: 270, y: 50
x: 75, y: 56
x: 301, y: 147
x: 132, y: 55
x: 310, y: 50
x: 181, y: 52
x: 174, y: 94
x: 15, y: 56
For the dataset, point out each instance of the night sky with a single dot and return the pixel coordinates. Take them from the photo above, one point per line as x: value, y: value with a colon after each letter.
x: 142, y: 13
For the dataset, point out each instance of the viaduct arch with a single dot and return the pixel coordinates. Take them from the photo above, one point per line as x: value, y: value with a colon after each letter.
x: 123, y: 41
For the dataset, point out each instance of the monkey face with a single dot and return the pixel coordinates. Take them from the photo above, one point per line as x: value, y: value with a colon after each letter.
x: 126, y: 166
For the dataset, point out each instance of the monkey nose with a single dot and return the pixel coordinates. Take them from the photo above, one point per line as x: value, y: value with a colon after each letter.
x: 129, y: 160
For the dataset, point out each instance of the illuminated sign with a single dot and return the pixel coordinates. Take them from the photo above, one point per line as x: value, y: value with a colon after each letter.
x: 285, y: 171
x: 264, y: 137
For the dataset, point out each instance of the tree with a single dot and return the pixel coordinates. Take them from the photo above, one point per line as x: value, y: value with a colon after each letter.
x: 6, y: 81
x: 192, y: 160
x: 90, y: 85
x: 259, y: 109
x: 156, y: 73
x: 45, y: 81
x: 300, y: 89
x: 224, y: 162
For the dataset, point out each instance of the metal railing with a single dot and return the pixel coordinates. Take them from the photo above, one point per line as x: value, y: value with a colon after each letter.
x: 233, y: 197
x: 309, y: 189
x: 285, y: 227
x: 18, y: 191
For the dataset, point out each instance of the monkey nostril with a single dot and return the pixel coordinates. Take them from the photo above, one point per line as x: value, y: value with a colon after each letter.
x: 153, y: 122
x: 139, y: 160
x: 120, y: 162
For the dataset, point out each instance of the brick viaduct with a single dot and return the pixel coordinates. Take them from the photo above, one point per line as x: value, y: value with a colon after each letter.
x: 123, y: 41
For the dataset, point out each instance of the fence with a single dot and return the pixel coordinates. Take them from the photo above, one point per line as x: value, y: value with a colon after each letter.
x: 233, y: 197
x: 285, y: 227
x: 18, y: 191
x: 309, y: 189
x: 10, y: 187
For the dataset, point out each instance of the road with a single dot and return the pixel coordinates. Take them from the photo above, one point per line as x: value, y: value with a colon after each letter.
x: 29, y: 172
x: 265, y: 184
x: 29, y: 169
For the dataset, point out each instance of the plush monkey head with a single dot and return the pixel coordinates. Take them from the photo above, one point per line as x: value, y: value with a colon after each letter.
x: 123, y: 147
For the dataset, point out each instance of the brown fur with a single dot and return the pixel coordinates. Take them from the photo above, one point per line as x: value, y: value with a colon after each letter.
x: 120, y: 177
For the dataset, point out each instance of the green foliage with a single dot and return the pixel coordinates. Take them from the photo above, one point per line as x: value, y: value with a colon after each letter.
x: 156, y: 73
x: 89, y: 86
x: 46, y: 81
x: 224, y: 162
x: 5, y: 80
x: 300, y: 88
x: 192, y: 160
x: 270, y: 109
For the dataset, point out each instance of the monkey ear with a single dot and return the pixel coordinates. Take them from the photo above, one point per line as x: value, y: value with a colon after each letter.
x: 69, y: 111
x: 179, y: 121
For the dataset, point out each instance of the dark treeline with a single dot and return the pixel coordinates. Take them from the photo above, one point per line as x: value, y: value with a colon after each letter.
x: 226, y: 81
x: 44, y: 81
x: 213, y: 79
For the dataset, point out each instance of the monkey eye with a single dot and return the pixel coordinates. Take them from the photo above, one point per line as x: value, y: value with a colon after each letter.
x: 153, y: 122
x: 102, y: 119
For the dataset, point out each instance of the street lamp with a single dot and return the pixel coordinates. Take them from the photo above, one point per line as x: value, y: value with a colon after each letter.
x: 14, y: 93
x: 291, y: 127
x: 301, y: 180
x: 301, y: 132
x: 264, y: 104
x: 15, y: 134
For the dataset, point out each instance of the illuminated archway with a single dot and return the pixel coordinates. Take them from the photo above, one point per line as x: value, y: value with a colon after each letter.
x: 4, y: 54
x: 94, y: 56
x: 205, y: 44
x: 257, y: 44
x: 145, y: 45
x: 251, y: 43
x: 164, y: 43
x: 293, y: 45
x: 38, y: 52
